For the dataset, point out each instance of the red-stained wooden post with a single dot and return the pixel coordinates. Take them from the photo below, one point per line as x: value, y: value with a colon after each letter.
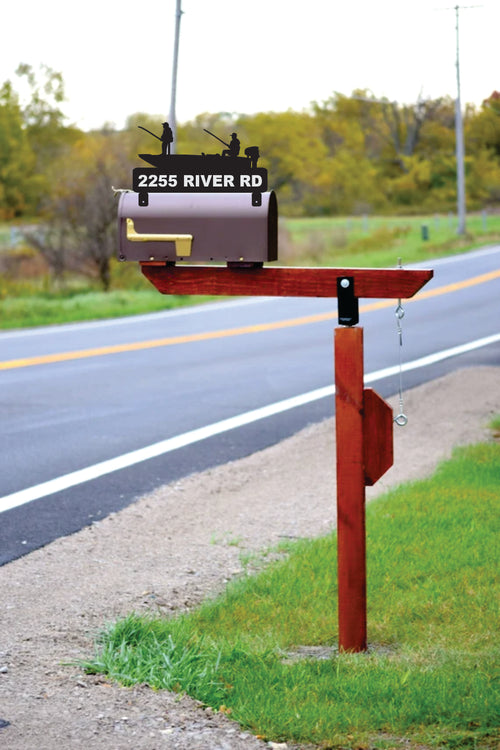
x: 351, y: 542
x: 363, y: 419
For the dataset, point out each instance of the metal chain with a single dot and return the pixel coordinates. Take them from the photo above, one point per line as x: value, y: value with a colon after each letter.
x: 401, y: 419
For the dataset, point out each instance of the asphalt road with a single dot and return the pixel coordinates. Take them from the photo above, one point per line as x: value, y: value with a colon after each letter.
x: 74, y: 396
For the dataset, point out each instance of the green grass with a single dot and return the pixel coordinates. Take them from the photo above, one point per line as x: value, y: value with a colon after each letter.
x: 379, y: 241
x: 495, y: 426
x: 34, y: 300
x: 47, y: 309
x: 30, y: 300
x: 431, y: 674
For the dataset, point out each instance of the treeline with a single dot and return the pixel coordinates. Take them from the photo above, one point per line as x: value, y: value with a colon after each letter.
x: 348, y: 155
x: 354, y: 155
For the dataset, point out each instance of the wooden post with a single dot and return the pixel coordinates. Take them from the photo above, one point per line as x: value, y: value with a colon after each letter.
x: 363, y: 419
x: 351, y: 538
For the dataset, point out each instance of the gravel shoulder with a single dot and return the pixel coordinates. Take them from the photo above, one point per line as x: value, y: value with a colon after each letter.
x: 168, y: 551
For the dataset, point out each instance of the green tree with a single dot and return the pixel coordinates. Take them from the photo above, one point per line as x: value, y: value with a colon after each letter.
x: 352, y: 129
x: 192, y: 138
x: 32, y: 135
x: 483, y: 128
x: 19, y: 183
x: 43, y: 118
x: 293, y: 152
x: 357, y: 153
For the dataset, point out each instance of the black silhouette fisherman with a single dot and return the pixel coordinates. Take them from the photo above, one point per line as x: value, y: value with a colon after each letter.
x: 234, y: 146
x: 166, y: 137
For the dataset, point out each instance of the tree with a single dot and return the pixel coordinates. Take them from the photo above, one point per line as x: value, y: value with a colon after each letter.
x: 483, y: 128
x: 32, y: 135
x: 19, y: 184
x: 356, y: 153
x: 351, y: 128
x: 79, y: 231
x: 291, y: 149
x: 405, y: 126
x: 192, y: 138
x: 43, y: 117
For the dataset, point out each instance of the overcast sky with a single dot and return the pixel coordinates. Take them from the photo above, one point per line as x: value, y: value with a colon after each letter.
x: 238, y: 56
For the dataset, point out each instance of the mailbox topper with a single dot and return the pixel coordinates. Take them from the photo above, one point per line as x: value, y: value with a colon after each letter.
x: 198, y: 208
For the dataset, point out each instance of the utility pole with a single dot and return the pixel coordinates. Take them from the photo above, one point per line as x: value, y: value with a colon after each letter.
x: 459, y: 141
x: 172, y: 116
x: 459, y: 129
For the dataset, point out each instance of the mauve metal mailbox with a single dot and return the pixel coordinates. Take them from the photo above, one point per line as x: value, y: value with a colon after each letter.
x: 198, y: 227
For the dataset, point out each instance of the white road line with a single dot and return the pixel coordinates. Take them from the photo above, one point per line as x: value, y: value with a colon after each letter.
x: 66, y: 481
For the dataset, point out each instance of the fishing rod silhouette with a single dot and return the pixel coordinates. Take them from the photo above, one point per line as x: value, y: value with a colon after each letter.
x: 150, y: 133
x: 252, y: 152
x: 206, y: 131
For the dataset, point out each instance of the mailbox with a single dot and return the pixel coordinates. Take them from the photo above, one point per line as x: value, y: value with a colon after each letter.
x: 198, y: 227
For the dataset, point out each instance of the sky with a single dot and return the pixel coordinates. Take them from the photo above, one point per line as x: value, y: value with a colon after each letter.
x: 239, y: 56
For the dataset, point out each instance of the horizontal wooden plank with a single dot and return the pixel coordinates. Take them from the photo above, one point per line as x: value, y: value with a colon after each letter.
x: 271, y: 281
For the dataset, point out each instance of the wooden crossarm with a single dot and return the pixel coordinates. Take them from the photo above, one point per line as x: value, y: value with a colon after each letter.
x: 271, y: 281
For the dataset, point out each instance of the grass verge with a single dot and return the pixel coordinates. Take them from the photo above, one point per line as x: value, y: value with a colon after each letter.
x: 49, y: 309
x: 26, y: 297
x: 379, y: 241
x: 431, y: 675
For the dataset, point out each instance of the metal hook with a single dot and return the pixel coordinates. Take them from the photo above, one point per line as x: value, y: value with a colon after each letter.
x: 119, y: 191
x: 401, y: 420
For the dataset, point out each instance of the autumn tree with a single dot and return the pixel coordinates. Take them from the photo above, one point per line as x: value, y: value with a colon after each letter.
x: 483, y: 127
x: 351, y: 130
x: 293, y: 152
x: 355, y: 154
x: 192, y: 137
x: 349, y: 154
x: 79, y: 217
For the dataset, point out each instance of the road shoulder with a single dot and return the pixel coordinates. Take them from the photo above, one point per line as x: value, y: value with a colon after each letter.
x: 171, y: 549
